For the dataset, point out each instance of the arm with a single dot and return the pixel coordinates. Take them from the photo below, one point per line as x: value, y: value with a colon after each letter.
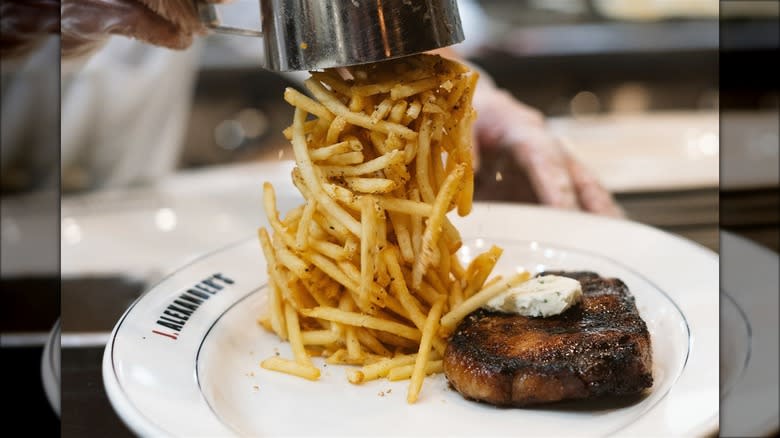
x: 556, y: 178
x: 86, y: 24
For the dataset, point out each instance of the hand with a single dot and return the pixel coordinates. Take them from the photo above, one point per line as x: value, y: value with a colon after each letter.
x: 86, y: 24
x: 25, y: 23
x: 556, y: 178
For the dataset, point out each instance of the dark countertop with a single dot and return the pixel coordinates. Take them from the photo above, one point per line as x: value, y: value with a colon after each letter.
x: 22, y: 371
x: 86, y: 410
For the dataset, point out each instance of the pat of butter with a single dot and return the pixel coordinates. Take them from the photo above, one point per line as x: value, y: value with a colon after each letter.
x: 540, y: 296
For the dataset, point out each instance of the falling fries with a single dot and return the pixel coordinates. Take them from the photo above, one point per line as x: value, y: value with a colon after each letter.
x: 366, y: 273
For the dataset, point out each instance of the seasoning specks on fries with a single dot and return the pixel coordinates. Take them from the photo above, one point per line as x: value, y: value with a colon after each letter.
x: 365, y: 272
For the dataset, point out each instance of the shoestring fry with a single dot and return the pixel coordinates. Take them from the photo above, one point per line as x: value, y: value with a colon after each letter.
x: 365, y: 272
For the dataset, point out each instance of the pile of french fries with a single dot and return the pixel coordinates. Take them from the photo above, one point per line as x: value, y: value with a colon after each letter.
x: 365, y: 273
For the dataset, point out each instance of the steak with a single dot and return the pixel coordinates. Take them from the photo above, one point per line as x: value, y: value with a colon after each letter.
x: 598, y: 347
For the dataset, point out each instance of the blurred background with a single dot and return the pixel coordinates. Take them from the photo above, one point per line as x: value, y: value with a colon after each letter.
x: 163, y: 153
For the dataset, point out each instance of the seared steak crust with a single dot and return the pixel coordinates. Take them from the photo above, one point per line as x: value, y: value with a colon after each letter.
x: 598, y: 347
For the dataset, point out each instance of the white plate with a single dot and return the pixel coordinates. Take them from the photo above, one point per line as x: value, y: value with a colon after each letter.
x: 749, y: 341
x: 207, y: 381
x: 50, y: 367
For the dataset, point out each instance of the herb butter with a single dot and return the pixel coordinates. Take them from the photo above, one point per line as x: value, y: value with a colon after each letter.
x: 543, y: 296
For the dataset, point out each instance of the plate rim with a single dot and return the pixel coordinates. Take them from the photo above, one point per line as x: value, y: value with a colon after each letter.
x: 138, y: 422
x: 743, y: 244
x: 51, y: 374
x: 684, y: 320
x: 144, y: 426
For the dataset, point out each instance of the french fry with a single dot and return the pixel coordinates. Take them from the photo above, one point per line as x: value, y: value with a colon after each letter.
x: 422, y: 163
x: 405, y: 90
x: 338, y: 357
x: 332, y: 270
x: 414, y: 110
x: 318, y: 133
x: 410, y: 152
x: 265, y: 322
x: 326, y: 152
x: 316, y: 232
x: 354, y: 352
x: 380, y: 369
x: 406, y: 206
x: 345, y: 159
x: 333, y: 228
x: 362, y: 273
x: 479, y: 270
x: 291, y: 261
x: 435, y: 224
x: 394, y: 341
x: 318, y: 292
x: 398, y: 111
x: 368, y: 240
x: 305, y: 103
x: 269, y: 205
x: 329, y: 249
x: 319, y: 337
x: 405, y: 372
x: 492, y: 281
x: 428, y: 334
x: 334, y: 82
x: 381, y: 276
x: 351, y: 247
x: 428, y: 293
x: 444, y: 259
x: 293, y: 216
x: 377, y: 164
x: 372, y: 89
x: 417, y: 227
x: 341, y: 357
x: 335, y: 129
x: 370, y: 185
x: 274, y: 269
x: 277, y: 321
x: 308, y: 127
x: 456, y: 296
x: 382, y: 110
x: 358, y: 102
x: 362, y: 320
x: 410, y: 305
x: 455, y: 315
x: 291, y: 367
x: 371, y: 342
x: 392, y: 304
x: 342, y: 194
x: 312, y: 182
x: 401, y: 227
x: 438, y: 285
x: 336, y: 107
x: 302, y: 296
x: 294, y: 331
x: 398, y: 286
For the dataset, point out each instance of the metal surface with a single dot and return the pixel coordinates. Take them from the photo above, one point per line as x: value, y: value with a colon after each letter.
x: 313, y: 35
x: 209, y: 16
